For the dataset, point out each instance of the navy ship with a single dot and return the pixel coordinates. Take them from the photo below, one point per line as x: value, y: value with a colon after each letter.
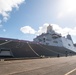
x: 49, y: 44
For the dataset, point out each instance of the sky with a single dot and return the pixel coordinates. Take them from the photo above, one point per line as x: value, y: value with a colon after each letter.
x: 26, y: 19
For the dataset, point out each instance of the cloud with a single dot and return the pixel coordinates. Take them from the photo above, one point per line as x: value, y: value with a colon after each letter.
x: 4, y: 30
x: 7, y: 6
x: 27, y: 30
x: 56, y: 28
x: 42, y: 29
x: 64, y: 31
x: 30, y: 30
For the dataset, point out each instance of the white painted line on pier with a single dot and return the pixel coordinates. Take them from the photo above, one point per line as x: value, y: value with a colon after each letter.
x: 70, y: 71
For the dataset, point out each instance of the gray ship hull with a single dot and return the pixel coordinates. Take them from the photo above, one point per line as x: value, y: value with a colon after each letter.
x: 26, y: 49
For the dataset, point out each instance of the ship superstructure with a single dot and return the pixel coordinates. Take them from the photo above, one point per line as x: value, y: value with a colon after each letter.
x: 53, y: 38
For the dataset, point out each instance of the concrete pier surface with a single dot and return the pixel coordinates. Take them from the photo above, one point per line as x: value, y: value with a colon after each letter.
x: 44, y: 66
